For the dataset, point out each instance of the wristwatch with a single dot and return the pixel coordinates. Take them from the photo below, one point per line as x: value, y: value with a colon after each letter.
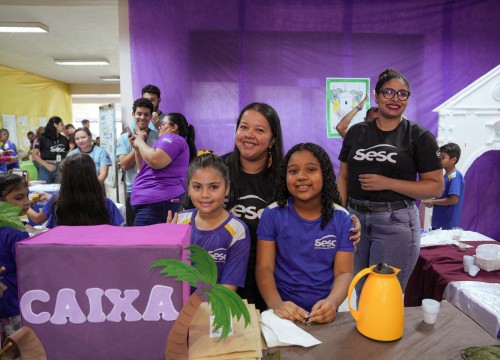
x: 359, y: 108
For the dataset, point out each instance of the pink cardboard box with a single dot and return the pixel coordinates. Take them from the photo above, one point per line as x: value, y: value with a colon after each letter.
x: 88, y: 293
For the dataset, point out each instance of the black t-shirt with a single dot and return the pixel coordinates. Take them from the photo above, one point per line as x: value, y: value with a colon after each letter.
x: 253, y: 196
x: 49, y: 149
x: 399, y: 154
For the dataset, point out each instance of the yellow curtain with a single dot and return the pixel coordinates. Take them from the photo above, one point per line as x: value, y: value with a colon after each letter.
x: 33, y: 96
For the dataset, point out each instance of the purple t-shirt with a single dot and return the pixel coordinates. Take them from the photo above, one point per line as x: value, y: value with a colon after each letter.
x: 155, y: 185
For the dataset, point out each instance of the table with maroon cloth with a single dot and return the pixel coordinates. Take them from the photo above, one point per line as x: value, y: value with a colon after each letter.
x: 439, y: 265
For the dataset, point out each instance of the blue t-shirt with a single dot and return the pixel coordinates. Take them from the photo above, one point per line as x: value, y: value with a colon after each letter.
x: 9, y: 304
x: 123, y: 147
x: 448, y: 217
x: 228, y: 244
x: 305, y: 254
x: 99, y: 155
x: 115, y: 217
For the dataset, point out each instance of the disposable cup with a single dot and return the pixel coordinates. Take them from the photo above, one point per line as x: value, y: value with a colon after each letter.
x: 457, y: 233
x: 462, y: 246
x: 473, y: 270
x: 468, y: 261
x: 430, y: 308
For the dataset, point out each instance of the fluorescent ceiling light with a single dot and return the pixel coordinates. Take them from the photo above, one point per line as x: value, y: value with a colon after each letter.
x: 110, y: 78
x: 82, y: 62
x: 19, y: 27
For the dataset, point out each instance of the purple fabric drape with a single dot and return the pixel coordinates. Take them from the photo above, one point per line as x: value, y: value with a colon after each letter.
x: 211, y: 58
x: 482, y: 194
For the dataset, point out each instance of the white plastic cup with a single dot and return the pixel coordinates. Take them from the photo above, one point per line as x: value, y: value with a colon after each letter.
x: 457, y: 233
x: 430, y: 307
x: 473, y: 270
x: 462, y: 246
x: 468, y: 261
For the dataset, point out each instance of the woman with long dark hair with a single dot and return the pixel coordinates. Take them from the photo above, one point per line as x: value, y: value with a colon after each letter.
x: 51, y: 150
x: 80, y: 200
x: 160, y: 183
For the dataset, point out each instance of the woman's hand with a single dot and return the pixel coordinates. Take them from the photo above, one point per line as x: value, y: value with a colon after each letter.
x: 172, y: 219
x: 323, y: 312
x: 373, y: 182
x: 44, y: 196
x: 356, y: 230
x: 288, y: 310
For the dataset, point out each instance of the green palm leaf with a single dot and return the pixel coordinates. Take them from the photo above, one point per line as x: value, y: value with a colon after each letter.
x: 178, y: 269
x: 235, y: 304
x: 202, y: 260
x: 220, y: 310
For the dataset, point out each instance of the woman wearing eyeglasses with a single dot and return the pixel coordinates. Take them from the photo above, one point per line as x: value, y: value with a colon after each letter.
x: 160, y: 184
x: 380, y: 161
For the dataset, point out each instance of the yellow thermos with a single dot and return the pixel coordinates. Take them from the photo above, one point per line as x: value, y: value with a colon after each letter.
x: 380, y: 314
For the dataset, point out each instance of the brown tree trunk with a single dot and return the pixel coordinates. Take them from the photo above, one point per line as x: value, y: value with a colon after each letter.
x: 177, y: 344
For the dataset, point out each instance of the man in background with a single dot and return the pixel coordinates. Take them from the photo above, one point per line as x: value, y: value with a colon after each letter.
x: 153, y: 94
x: 142, y: 111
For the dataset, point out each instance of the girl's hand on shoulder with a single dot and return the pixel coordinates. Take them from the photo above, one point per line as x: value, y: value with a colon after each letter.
x: 288, y: 310
x: 323, y: 312
x: 356, y: 230
x: 172, y: 219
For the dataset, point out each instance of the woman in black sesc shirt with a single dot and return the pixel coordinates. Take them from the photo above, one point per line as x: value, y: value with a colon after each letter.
x: 253, y: 170
x: 51, y: 150
x: 380, y: 161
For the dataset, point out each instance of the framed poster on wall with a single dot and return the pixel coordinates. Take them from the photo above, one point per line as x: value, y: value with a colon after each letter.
x: 108, y: 139
x: 343, y: 95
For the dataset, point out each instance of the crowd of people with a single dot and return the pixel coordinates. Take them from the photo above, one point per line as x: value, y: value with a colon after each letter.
x: 284, y: 231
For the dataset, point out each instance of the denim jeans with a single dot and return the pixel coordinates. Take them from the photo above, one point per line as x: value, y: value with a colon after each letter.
x: 392, y: 237
x: 50, y: 177
x: 155, y: 213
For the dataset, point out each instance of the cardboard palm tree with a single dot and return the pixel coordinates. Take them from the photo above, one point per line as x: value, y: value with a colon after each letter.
x: 202, y: 275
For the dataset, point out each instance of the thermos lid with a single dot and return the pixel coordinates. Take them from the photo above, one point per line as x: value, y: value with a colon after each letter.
x: 383, y: 268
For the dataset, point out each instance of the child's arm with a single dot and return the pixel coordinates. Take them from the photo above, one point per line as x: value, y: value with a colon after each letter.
x: 325, y: 310
x: 264, y: 273
x: 447, y: 201
x: 36, y: 217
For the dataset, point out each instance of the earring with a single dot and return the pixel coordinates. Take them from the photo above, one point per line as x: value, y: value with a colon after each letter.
x: 270, y: 158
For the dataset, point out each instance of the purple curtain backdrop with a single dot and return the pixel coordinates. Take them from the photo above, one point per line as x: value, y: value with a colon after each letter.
x: 210, y: 58
x: 482, y: 194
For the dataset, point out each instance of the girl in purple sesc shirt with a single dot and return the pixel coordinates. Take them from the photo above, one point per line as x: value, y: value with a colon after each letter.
x: 160, y: 183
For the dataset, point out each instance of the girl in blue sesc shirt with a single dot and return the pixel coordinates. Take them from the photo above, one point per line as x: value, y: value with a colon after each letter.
x: 304, y: 255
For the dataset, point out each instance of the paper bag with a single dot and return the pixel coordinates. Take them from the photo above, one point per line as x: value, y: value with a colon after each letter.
x: 243, y: 344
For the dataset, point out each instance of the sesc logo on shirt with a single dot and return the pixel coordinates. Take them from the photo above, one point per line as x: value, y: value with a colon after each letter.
x: 219, y: 255
x: 168, y: 140
x: 380, y: 155
x: 327, y: 242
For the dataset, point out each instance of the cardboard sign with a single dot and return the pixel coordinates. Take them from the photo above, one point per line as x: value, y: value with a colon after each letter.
x: 87, y: 291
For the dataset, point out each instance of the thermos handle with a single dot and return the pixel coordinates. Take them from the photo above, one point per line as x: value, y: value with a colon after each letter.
x: 354, y: 281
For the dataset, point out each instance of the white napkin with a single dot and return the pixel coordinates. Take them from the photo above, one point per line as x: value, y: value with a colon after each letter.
x: 281, y: 332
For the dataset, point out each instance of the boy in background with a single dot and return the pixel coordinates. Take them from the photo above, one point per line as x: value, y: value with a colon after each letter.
x: 448, y: 208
